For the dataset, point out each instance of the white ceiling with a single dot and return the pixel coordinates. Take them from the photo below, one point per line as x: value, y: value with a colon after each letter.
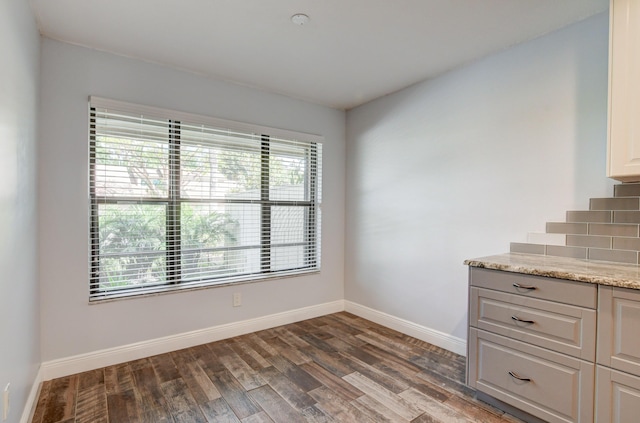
x: 350, y: 52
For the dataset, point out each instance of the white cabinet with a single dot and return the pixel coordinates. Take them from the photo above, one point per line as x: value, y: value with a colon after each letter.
x: 623, y: 161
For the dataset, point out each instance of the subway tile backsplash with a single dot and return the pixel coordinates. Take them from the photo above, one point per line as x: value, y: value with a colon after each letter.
x: 608, y: 231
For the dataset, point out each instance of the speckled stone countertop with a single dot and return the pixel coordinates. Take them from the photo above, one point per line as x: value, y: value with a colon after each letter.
x: 598, y: 272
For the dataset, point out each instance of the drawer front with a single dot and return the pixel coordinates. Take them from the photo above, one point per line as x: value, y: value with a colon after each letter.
x: 558, y: 290
x: 617, y: 397
x: 619, y: 329
x: 560, y: 388
x: 559, y: 327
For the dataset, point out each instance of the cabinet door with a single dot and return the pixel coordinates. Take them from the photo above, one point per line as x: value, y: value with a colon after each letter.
x: 624, y: 91
x: 617, y: 397
x: 619, y: 329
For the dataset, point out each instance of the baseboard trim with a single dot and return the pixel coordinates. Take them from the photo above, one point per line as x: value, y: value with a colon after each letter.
x: 30, y: 406
x: 108, y: 357
x: 432, y: 336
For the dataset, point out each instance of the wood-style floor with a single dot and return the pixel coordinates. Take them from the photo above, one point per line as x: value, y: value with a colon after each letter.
x: 336, y: 368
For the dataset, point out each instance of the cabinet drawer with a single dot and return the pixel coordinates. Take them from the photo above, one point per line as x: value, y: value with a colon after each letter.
x: 618, y: 329
x: 560, y: 388
x: 559, y: 290
x: 559, y: 327
x: 618, y: 396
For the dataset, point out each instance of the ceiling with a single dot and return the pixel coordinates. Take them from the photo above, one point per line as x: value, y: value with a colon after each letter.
x: 350, y: 52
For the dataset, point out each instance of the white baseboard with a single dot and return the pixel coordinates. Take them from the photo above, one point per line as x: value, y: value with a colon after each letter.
x: 30, y: 406
x: 108, y: 357
x: 432, y: 336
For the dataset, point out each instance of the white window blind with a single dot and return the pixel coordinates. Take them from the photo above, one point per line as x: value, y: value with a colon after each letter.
x: 181, y: 201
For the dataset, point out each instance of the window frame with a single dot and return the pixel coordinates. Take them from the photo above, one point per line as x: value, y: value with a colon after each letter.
x: 173, y: 245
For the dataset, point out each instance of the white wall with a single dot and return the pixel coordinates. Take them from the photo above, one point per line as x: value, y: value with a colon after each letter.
x: 70, y: 325
x: 19, y: 314
x: 459, y: 166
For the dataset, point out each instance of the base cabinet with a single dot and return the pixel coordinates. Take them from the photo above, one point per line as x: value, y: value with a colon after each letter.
x: 618, y: 396
x: 534, y: 344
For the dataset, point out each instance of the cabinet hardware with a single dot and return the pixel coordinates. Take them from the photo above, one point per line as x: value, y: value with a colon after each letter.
x: 515, y: 376
x: 517, y: 319
x: 530, y: 288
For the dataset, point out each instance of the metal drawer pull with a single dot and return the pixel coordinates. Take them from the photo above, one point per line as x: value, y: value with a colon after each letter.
x: 530, y: 288
x: 515, y: 376
x: 517, y: 319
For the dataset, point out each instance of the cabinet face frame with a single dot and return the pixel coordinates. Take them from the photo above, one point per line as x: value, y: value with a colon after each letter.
x: 623, y: 134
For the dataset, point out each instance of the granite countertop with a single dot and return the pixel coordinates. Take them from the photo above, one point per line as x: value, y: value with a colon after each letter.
x: 598, y: 272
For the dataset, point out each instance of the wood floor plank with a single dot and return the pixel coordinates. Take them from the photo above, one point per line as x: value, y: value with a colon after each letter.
x: 235, y: 395
x: 249, y: 355
x: 433, y: 407
x: 296, y: 374
x: 390, y: 383
x: 314, y: 415
x: 218, y: 411
x: 335, y: 368
x: 340, y: 410
x: 122, y: 407
x: 153, y: 404
x: 62, y: 400
x: 289, y: 391
x: 91, y: 405
x: 334, y: 363
x: 261, y: 417
x: 275, y: 406
x: 199, y: 383
x: 292, y: 354
x: 405, y: 409
x: 182, y: 405
x: 343, y: 389
x: 260, y: 346
x: 164, y: 367
x: 377, y: 411
x: 43, y: 396
x: 245, y: 374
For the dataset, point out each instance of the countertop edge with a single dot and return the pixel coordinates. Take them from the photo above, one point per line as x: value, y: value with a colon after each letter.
x: 595, y: 272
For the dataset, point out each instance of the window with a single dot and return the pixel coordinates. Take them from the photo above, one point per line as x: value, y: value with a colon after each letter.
x: 180, y: 201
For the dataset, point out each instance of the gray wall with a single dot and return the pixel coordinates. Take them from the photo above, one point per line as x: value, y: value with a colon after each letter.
x: 71, y: 326
x: 19, y: 308
x: 459, y: 166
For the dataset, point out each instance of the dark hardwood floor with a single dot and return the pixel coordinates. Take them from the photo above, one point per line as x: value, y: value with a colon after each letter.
x: 336, y: 368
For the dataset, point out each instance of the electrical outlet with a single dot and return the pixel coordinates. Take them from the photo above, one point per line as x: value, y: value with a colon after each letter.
x: 237, y: 299
x: 5, y: 402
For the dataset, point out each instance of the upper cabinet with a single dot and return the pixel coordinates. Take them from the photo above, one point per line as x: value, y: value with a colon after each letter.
x: 623, y: 161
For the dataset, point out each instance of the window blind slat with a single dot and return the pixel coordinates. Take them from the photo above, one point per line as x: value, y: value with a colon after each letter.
x: 178, y: 203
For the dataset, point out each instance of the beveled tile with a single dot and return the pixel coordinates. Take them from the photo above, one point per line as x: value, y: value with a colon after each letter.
x: 617, y: 203
x: 626, y: 244
x: 589, y: 241
x: 573, y: 252
x: 618, y: 256
x: 613, y: 229
x: 591, y: 216
x: 567, y: 228
x: 626, y: 216
x: 626, y: 190
x: 526, y: 248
